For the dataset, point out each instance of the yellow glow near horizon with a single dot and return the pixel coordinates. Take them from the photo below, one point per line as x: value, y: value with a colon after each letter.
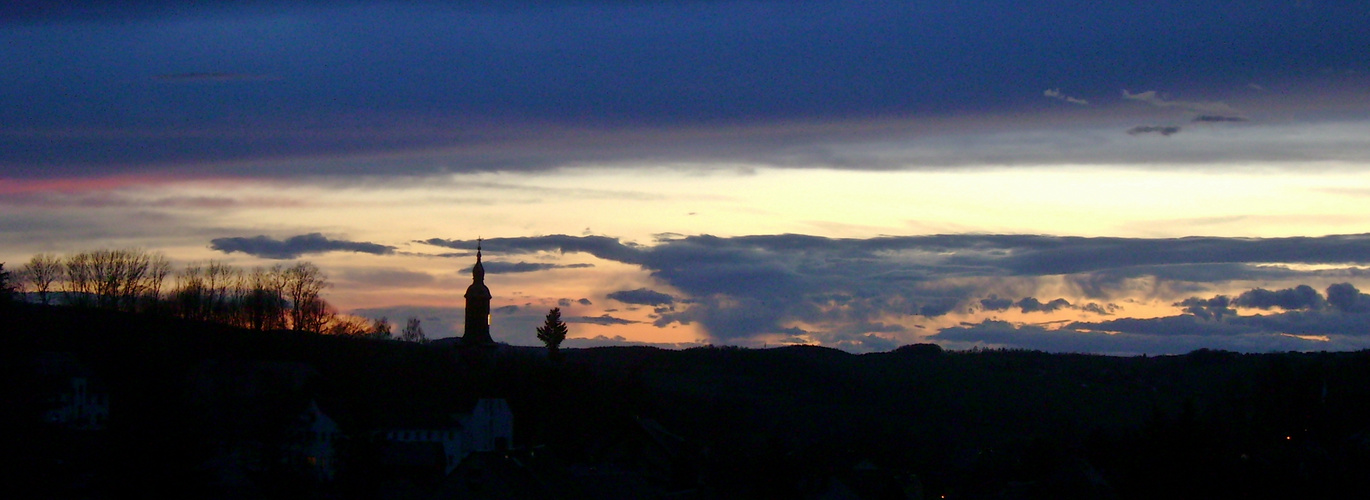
x: 639, y: 204
x: 636, y: 204
x: 1087, y: 201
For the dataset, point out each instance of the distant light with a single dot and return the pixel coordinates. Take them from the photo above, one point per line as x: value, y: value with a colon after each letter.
x: 1287, y: 438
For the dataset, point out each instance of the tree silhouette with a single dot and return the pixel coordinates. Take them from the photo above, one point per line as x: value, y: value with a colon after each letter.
x: 380, y: 329
x: 43, y: 271
x: 413, y: 332
x: 80, y: 283
x: 348, y: 325
x: 264, y: 305
x: 7, y: 285
x: 552, y: 332
x: 126, y: 280
x: 303, y: 282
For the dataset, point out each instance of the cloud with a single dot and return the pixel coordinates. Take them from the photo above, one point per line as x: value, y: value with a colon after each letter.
x: 1100, y: 309
x: 1033, y: 305
x: 295, y: 246
x: 938, y: 307
x: 1030, y: 304
x: 642, y: 296
x: 1181, y: 337
x: 1213, y: 308
x: 603, y: 319
x: 603, y: 247
x: 115, y: 194
x: 1056, y: 94
x: 659, y: 96
x: 1166, y: 131
x: 500, y: 267
x: 1218, y: 119
x: 402, y: 153
x: 1300, y: 323
x: 1302, y: 297
x: 761, y: 262
x: 387, y: 278
x: 1346, y: 298
x: 506, y: 310
x: 1168, y: 326
x: 994, y: 303
x: 744, y: 288
x: 1155, y: 99
x: 1036, y: 255
x: 620, y: 341
x: 1346, y: 313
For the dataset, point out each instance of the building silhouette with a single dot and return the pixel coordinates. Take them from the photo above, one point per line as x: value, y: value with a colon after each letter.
x: 477, y: 331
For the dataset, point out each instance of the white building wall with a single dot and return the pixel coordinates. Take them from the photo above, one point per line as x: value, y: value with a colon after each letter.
x: 491, y: 424
x: 80, y: 407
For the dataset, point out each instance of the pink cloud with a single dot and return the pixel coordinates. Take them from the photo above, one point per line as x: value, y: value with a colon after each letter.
x: 78, y: 184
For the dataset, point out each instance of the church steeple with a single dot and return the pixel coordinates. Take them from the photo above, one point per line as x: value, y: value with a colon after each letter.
x: 477, y: 307
x: 478, y: 272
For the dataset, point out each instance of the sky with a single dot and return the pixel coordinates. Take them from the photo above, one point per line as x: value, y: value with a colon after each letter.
x: 1110, y: 177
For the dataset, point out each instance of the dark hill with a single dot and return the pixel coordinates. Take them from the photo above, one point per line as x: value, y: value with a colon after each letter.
x: 739, y: 423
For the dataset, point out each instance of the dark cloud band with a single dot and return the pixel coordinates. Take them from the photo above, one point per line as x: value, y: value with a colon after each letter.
x: 740, y: 288
x: 570, y: 82
x: 295, y: 246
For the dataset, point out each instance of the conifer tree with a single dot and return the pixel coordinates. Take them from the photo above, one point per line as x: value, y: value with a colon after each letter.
x: 552, y: 332
x: 8, y: 287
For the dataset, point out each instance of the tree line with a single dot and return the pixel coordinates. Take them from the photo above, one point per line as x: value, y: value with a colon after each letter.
x: 278, y: 297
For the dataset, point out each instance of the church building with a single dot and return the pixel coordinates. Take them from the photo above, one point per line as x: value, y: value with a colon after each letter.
x: 477, y: 307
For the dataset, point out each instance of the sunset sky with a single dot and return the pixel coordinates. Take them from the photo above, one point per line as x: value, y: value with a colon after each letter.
x: 1076, y: 176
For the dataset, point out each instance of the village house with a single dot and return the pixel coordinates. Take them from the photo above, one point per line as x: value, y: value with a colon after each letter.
x: 488, y: 427
x: 313, y: 444
x: 78, y: 399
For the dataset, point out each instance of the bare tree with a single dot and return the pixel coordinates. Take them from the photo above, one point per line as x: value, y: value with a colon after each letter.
x: 315, y: 315
x: 413, y: 332
x: 111, y: 279
x: 42, y: 272
x: 552, y: 332
x: 347, y: 325
x: 131, y: 268
x: 381, y: 329
x: 303, y: 283
x: 107, y: 277
x: 264, y: 304
x: 190, y: 297
x: 132, y: 279
x: 222, y: 283
x: 357, y: 326
x: 159, y: 267
x: 80, y: 283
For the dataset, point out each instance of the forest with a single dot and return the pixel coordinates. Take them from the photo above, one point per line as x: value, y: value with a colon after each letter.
x: 278, y: 297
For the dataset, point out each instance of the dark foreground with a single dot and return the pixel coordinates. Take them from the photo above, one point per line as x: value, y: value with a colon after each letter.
x: 201, y: 410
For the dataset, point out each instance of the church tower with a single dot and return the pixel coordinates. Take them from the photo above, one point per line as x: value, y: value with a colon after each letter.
x: 477, y: 307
